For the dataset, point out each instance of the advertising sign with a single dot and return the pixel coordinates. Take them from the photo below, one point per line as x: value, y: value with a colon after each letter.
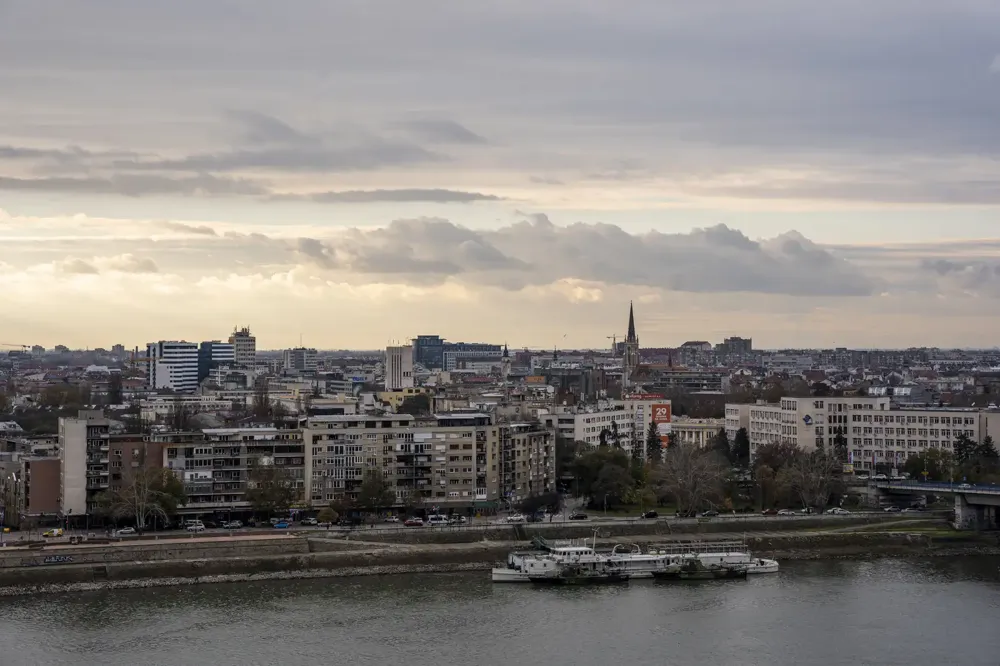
x: 661, y: 419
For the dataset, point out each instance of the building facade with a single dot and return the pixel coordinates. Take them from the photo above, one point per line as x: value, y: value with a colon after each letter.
x: 527, y: 461
x: 84, y: 458
x: 300, y: 359
x: 214, y: 354
x: 587, y: 426
x: 398, y: 368
x: 244, y: 348
x: 172, y: 365
x: 696, y: 432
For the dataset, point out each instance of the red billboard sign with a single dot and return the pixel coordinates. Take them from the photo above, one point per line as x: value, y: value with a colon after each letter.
x: 661, y: 419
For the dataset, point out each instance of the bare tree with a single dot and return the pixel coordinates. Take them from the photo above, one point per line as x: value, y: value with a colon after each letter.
x: 813, y: 476
x: 692, y: 476
x: 147, y: 493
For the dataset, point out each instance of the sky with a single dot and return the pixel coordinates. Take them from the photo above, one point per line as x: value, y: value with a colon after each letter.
x: 347, y: 174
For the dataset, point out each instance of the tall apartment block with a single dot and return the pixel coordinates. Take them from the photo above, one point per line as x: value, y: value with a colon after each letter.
x: 244, y: 348
x: 172, y: 365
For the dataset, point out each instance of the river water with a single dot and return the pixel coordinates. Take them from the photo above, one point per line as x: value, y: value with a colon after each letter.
x: 886, y: 612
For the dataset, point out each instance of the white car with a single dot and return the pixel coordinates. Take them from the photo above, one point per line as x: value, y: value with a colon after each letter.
x: 516, y: 518
x: 837, y: 511
x: 392, y: 519
x: 195, y: 527
x: 437, y: 520
x: 786, y: 512
x: 125, y: 531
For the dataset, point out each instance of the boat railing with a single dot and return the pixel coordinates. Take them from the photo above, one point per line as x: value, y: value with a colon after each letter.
x: 688, y: 547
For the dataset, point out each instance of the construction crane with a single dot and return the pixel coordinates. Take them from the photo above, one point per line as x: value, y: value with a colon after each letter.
x: 614, y: 344
x: 10, y: 344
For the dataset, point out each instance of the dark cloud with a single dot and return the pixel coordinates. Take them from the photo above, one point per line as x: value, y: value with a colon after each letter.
x: 138, y: 185
x: 536, y: 252
x: 442, y: 131
x: 395, y: 196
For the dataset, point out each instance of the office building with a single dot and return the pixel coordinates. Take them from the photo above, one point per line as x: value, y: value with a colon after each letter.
x: 695, y: 432
x: 244, y: 348
x: 428, y: 350
x: 398, y: 368
x: 588, y: 426
x: 172, y: 365
x: 214, y: 354
x: 299, y: 359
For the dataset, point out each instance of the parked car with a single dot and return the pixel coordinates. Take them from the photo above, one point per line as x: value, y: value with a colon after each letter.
x: 125, y: 531
x: 312, y: 522
x: 650, y: 514
x: 392, y: 519
x: 458, y: 520
x: 578, y: 516
x: 516, y: 518
x: 769, y: 512
x: 786, y: 512
x: 194, y: 527
x: 437, y: 520
x: 711, y: 513
x: 913, y: 509
x: 891, y: 509
x: 413, y: 522
x: 880, y: 477
x: 54, y: 532
x: 837, y: 511
x: 233, y: 525
x: 281, y: 525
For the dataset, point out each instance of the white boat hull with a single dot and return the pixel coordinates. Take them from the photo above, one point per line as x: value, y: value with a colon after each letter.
x: 509, y: 575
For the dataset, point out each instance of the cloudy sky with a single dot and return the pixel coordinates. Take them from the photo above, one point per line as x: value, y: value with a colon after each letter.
x: 360, y: 171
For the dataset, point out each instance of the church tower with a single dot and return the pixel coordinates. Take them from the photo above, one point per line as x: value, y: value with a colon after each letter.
x: 630, y: 360
x: 505, y: 365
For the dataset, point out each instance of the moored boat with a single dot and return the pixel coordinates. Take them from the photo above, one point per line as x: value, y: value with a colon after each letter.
x: 694, y: 569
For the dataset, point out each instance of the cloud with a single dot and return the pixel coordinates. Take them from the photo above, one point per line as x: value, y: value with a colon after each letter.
x: 537, y: 252
x: 200, y: 229
x: 260, y: 128
x: 394, y: 196
x: 123, y: 263
x: 442, y: 131
x: 133, y: 185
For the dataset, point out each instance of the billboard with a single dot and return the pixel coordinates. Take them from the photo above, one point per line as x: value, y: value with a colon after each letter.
x: 661, y: 419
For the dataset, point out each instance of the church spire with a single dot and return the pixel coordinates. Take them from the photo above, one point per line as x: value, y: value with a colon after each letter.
x: 630, y: 337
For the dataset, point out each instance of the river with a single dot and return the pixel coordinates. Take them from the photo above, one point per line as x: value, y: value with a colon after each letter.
x: 882, y: 612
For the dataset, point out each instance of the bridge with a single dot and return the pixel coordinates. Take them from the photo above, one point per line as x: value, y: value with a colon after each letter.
x: 976, y: 506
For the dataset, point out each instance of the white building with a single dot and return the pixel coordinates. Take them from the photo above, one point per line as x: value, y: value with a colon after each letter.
x: 172, y: 365
x: 244, y: 348
x: 398, y: 368
x: 646, y: 409
x: 587, y: 426
x: 697, y: 432
x: 737, y: 417
x: 83, y: 461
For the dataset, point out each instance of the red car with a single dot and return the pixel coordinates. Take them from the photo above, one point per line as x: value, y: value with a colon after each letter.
x: 413, y: 522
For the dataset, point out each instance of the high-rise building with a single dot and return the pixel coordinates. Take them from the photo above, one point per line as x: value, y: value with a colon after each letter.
x: 398, y: 368
x: 427, y: 350
x: 299, y: 359
x: 244, y: 348
x: 172, y: 365
x: 213, y: 354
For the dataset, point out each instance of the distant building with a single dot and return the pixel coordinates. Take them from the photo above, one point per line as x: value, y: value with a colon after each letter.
x: 214, y: 354
x: 630, y: 351
x: 398, y: 368
x: 172, y: 364
x: 428, y: 350
x: 698, y: 432
x: 299, y: 359
x: 244, y: 348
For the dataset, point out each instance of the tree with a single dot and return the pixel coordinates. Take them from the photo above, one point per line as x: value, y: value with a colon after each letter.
x: 180, y: 416
x: 115, y: 392
x: 741, y: 448
x: 375, y: 492
x: 412, y: 501
x: 692, y: 476
x: 261, y: 408
x: 600, y: 472
x: 327, y: 515
x: 813, y: 477
x: 654, y: 448
x: 936, y: 462
x: 720, y: 443
x: 964, y: 448
x: 987, y: 449
x: 840, y: 446
x: 270, y: 488
x: 146, y: 493
x: 417, y: 404
x: 614, y: 436
x: 532, y: 504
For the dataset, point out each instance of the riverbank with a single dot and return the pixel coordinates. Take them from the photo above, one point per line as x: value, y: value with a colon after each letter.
x: 332, y: 558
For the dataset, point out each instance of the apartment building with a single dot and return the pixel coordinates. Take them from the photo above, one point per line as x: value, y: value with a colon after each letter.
x: 215, y: 463
x: 29, y: 487
x: 449, y: 460
x: 527, y: 461
x: 806, y: 422
x: 159, y: 408
x: 587, y: 426
x: 173, y: 365
x: 84, y: 450
x: 214, y: 354
x: 299, y: 359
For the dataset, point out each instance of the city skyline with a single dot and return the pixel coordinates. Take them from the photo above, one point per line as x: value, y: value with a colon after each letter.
x: 514, y: 172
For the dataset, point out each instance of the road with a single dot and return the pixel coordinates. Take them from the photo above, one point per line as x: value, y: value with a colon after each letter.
x: 484, y: 523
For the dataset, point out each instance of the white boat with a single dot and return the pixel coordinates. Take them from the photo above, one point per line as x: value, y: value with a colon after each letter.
x: 522, y: 565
